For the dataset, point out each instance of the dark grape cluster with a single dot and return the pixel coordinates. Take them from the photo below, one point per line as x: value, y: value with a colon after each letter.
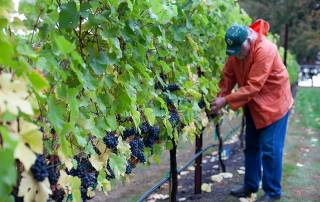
x: 144, y: 127
x: 152, y: 137
x: 174, y: 119
x: 87, y: 174
x: 158, y: 86
x: 88, y: 180
x: 58, y: 195
x: 84, y: 166
x: 39, y: 169
x: 168, y: 101
x: 137, y: 149
x: 201, y: 103
x: 84, y: 195
x: 172, y: 87
x: 130, y: 132
x: 41, y: 129
x: 53, y: 169
x: 128, y: 168
x: 111, y: 140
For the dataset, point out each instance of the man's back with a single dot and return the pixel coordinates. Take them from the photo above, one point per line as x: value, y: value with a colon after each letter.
x: 263, y: 83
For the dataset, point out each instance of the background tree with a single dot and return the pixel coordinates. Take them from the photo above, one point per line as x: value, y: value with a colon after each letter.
x: 302, y: 16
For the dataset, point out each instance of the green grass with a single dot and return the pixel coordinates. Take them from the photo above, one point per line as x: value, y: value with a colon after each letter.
x: 307, y: 106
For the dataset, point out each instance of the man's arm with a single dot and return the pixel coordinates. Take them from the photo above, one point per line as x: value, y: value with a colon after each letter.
x: 226, y: 85
x: 228, y: 80
x: 257, y: 77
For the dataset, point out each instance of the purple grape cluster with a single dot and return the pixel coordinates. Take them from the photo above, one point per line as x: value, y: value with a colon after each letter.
x: 174, y: 119
x: 172, y: 87
x: 128, y: 168
x: 201, y: 103
x: 39, y: 169
x: 111, y: 140
x: 130, y: 132
x: 152, y: 136
x: 137, y: 149
x: 144, y: 127
x: 53, y: 169
x: 58, y: 195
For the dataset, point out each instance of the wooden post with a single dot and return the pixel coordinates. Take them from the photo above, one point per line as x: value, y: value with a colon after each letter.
x: 173, y: 173
x: 218, y: 132
x: 198, y: 166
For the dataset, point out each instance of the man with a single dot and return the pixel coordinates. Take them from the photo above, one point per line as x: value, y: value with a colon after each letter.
x: 264, y: 92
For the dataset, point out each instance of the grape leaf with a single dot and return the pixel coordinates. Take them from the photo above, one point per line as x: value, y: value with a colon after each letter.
x: 32, y: 190
x: 148, y: 112
x: 69, y: 15
x: 118, y: 165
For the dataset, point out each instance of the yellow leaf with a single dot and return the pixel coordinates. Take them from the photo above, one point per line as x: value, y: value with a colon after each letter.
x: 206, y: 187
x: 64, y: 180
x: 32, y: 190
x: 204, y: 118
x: 91, y: 192
x: 98, y: 161
x: 32, y: 136
x: 13, y: 95
x: 105, y: 186
x: 217, y: 178
x: 25, y: 155
x: 101, y: 147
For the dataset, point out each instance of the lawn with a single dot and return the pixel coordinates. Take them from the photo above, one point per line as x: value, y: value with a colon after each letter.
x: 307, y: 106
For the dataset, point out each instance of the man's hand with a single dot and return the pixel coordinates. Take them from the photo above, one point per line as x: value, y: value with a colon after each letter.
x: 218, y: 104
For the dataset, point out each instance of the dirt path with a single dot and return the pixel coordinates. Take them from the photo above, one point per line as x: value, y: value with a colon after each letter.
x: 301, y: 170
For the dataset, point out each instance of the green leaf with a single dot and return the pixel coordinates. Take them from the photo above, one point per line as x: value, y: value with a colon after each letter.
x: 69, y: 15
x: 112, y: 122
x: 118, y: 165
x: 7, y: 51
x: 100, y: 63
x: 56, y: 112
x: 38, y: 80
x: 82, y: 141
x: 64, y: 45
x: 148, y: 112
x: 73, y: 105
x: 168, y: 127
x: 75, y: 186
x: 136, y: 117
x: 26, y: 50
x: 8, y: 174
x: 124, y: 100
x: 64, y: 143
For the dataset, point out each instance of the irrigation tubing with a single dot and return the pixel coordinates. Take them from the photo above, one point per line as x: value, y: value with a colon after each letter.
x: 166, y: 178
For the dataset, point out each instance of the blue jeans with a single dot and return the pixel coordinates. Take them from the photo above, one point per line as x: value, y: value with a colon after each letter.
x: 264, y: 149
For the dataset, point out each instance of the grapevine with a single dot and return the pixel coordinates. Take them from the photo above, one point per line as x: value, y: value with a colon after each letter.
x: 91, y: 87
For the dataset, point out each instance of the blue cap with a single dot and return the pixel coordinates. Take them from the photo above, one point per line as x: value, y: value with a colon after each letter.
x: 235, y: 36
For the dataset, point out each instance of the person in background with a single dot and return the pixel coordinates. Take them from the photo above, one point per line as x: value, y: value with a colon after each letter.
x: 255, y: 65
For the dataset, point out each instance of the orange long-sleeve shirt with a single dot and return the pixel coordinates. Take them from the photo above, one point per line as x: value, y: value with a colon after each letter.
x: 262, y: 79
